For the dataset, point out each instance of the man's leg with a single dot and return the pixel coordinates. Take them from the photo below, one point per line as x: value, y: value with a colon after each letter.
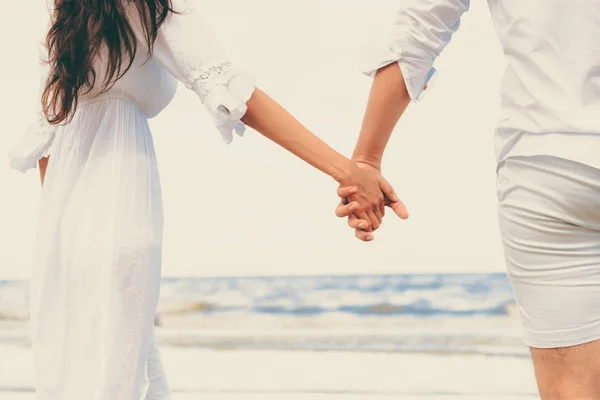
x: 568, y: 373
x: 549, y: 214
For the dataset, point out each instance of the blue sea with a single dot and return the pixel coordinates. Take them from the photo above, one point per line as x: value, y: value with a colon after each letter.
x: 437, y: 313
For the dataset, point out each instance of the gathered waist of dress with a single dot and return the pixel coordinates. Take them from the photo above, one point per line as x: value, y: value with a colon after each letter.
x: 108, y: 97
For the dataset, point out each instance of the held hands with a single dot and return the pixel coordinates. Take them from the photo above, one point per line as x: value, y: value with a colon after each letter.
x: 364, y: 201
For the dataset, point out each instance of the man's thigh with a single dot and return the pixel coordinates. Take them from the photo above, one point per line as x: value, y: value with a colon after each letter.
x: 549, y: 218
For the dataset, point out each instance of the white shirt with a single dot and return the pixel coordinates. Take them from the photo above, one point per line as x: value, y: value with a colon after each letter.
x: 551, y: 88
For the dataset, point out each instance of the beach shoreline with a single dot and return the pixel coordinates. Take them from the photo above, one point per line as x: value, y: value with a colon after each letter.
x: 290, y: 338
x: 268, y: 374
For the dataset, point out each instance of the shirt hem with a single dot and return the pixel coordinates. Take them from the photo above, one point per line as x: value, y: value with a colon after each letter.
x: 583, y: 148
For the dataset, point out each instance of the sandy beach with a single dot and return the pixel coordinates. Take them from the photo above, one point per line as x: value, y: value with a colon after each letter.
x: 297, y: 375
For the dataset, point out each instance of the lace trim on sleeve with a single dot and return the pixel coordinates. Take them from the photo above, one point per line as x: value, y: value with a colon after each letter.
x: 224, y: 90
x: 207, y: 79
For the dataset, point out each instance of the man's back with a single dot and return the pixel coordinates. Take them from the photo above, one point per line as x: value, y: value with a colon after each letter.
x: 551, y: 90
x: 552, y: 83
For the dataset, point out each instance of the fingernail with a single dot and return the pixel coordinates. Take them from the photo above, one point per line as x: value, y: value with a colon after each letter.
x: 362, y: 226
x: 352, y: 190
x: 353, y: 206
x: 370, y: 237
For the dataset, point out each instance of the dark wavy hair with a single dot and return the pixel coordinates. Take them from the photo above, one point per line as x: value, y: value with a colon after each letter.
x: 80, y: 29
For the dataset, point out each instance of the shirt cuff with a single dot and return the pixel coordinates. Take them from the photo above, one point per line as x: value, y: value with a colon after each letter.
x: 419, y: 74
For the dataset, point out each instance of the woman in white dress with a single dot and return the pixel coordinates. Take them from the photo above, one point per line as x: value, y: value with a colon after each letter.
x: 111, y: 65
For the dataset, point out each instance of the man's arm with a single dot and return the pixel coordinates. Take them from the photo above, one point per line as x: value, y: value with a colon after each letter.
x: 401, y: 74
x: 387, y: 101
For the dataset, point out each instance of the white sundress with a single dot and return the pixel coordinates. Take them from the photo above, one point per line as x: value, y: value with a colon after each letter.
x: 96, y: 273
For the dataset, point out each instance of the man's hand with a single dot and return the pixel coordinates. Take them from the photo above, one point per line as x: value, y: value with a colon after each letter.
x: 362, y: 227
x: 367, y: 200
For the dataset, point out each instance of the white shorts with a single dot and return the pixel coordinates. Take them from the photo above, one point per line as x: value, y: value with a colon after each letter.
x: 549, y: 212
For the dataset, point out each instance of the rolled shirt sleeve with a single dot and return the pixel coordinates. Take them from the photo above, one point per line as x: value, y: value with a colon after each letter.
x: 421, y: 31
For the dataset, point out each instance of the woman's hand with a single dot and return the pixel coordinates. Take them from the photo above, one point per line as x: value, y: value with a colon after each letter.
x: 346, y: 208
x: 365, y: 199
x: 43, y: 164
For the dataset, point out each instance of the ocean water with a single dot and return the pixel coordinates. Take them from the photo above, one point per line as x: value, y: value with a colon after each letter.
x: 438, y: 313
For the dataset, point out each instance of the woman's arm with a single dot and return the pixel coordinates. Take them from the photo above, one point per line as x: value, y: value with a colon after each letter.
x: 39, y: 136
x: 43, y: 164
x: 187, y: 47
x: 267, y: 117
x: 274, y: 122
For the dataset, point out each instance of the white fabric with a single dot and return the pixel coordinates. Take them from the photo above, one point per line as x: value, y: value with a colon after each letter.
x: 185, y: 50
x: 96, y: 272
x: 551, y: 87
x: 550, y: 226
x: 38, y: 138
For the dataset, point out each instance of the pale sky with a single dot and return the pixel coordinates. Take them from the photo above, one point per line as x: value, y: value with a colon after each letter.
x: 251, y: 208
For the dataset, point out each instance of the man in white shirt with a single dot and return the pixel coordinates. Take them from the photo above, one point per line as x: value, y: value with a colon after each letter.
x: 548, y: 153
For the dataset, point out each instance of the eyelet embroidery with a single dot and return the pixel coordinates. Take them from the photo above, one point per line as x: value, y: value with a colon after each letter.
x: 206, y: 79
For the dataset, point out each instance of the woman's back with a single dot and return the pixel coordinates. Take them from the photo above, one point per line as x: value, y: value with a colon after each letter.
x: 146, y: 84
x: 184, y: 50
